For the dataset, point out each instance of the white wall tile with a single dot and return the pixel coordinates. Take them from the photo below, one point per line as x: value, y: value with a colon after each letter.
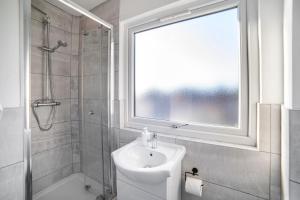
x: 264, y: 127
x: 276, y: 129
x: 11, y: 182
x: 11, y: 136
x: 275, y: 185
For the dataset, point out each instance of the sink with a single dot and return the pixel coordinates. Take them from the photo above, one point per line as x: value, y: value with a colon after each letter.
x: 147, y: 165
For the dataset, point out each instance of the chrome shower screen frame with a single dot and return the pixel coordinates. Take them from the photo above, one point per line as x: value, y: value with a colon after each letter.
x: 25, y: 44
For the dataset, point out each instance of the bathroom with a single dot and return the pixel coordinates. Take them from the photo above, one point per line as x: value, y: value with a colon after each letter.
x: 91, y: 110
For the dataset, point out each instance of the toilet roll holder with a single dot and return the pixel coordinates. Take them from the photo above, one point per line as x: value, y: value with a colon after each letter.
x: 194, y: 173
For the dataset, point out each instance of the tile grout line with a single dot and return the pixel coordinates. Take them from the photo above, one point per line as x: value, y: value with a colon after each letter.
x: 11, y: 165
x: 295, y: 181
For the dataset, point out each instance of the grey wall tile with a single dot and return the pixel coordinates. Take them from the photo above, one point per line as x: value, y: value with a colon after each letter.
x: 92, y: 163
x: 76, y: 167
x: 11, y: 182
x: 92, y: 137
x: 48, y: 180
x: 230, y: 167
x: 59, y: 18
x: 76, y: 152
x: 276, y: 129
x: 74, y: 65
x: 216, y: 192
x: 36, y: 33
x: 61, y: 87
x: 74, y: 109
x: 39, y: 146
x: 127, y: 136
x: 75, y: 131
x: 295, y: 145
x: 11, y: 136
x: 75, y: 44
x: 74, y: 87
x: 58, y: 129
x: 37, y: 81
x: 275, y: 185
x: 36, y: 60
x: 91, y: 87
x: 75, y: 24
x: 49, y: 161
x: 265, y: 127
x: 91, y: 63
x: 90, y: 105
x: 61, y: 64
x: 294, y: 190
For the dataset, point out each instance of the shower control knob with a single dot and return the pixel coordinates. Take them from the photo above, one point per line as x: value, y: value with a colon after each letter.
x: 91, y: 112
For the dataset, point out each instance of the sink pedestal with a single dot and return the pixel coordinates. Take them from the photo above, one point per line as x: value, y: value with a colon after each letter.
x: 170, y: 189
x: 144, y: 173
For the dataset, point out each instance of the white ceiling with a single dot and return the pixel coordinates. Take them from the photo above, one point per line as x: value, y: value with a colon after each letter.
x: 87, y: 4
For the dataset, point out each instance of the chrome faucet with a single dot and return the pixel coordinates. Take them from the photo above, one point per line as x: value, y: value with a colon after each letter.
x: 152, y: 142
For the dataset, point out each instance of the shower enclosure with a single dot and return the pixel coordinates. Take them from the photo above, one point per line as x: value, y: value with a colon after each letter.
x: 71, y: 75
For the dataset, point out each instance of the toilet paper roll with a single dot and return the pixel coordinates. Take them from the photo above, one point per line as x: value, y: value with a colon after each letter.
x: 194, y: 186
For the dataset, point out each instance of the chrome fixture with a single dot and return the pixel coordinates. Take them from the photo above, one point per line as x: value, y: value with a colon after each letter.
x: 47, y: 99
x: 91, y: 112
x: 60, y: 43
x: 178, y: 125
x: 40, y: 104
x: 152, y: 142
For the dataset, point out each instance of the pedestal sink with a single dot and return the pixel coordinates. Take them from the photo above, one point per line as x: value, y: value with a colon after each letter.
x: 148, y: 174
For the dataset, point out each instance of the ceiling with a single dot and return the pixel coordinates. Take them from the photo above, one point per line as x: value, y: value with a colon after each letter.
x: 87, y: 4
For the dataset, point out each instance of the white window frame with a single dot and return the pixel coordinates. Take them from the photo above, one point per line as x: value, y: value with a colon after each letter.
x: 246, y: 134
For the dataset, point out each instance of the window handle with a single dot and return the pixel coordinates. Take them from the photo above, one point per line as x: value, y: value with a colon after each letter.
x: 178, y: 125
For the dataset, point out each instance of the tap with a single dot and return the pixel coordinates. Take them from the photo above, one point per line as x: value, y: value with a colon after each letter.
x: 152, y: 142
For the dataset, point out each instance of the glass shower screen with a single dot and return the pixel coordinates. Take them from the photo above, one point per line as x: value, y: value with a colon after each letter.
x: 94, y: 97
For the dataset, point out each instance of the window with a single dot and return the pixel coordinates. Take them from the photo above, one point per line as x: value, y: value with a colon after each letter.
x: 191, y: 70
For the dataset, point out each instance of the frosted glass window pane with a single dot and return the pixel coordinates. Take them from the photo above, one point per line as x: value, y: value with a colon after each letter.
x: 189, y: 71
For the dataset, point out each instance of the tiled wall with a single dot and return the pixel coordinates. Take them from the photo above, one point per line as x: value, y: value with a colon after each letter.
x: 294, y: 154
x: 94, y: 73
x: 233, y: 173
x: 55, y: 152
x: 11, y: 154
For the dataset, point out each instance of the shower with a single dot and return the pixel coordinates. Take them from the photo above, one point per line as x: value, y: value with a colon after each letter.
x: 71, y: 101
x: 48, y: 98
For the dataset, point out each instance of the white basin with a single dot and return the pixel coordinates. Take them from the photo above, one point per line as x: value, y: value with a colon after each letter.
x: 147, y: 165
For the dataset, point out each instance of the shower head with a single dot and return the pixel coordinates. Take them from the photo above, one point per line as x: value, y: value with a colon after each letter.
x: 60, y: 43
